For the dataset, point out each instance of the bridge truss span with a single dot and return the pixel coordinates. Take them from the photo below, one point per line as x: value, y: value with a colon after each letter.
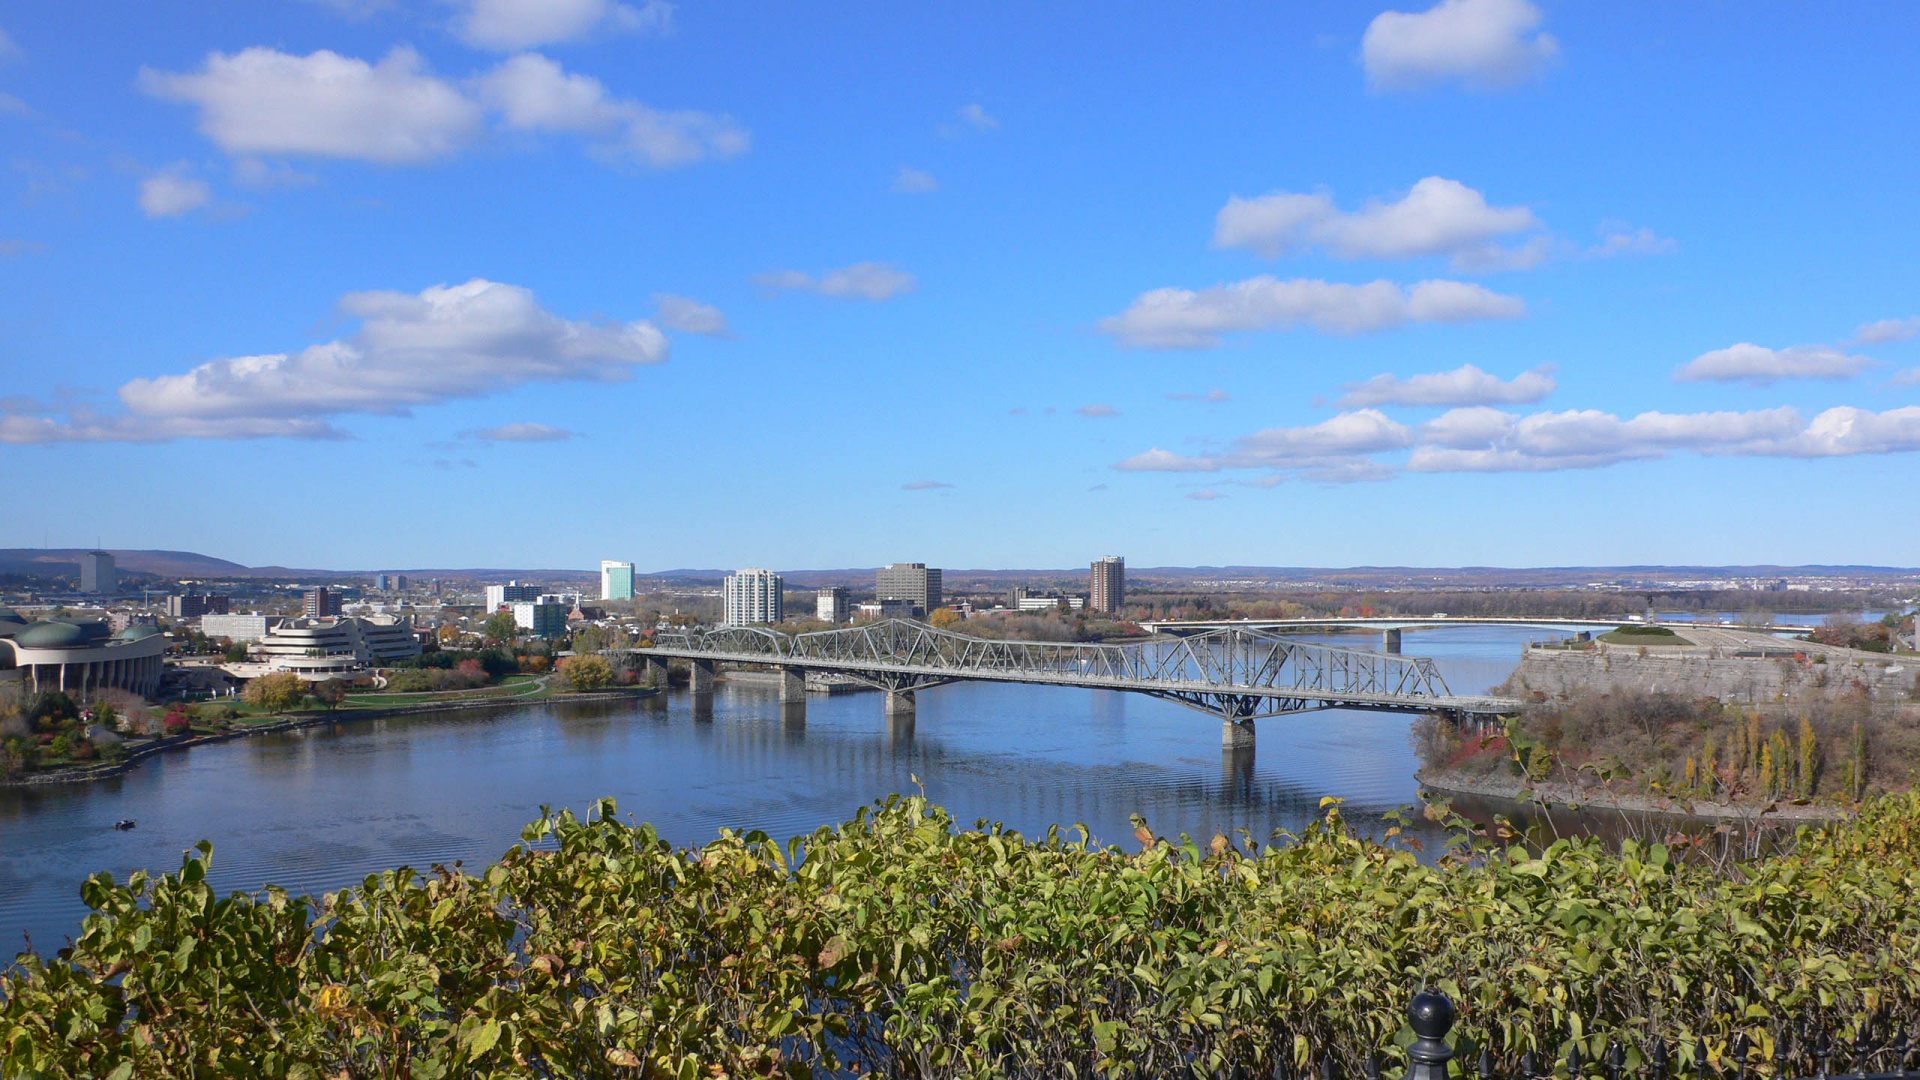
x: 1232, y: 672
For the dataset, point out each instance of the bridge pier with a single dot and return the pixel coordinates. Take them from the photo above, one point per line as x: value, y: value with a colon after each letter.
x: 1237, y: 735
x: 700, y: 676
x: 1390, y: 641
x: 1236, y: 771
x: 900, y: 730
x: 793, y: 686
x: 900, y: 705
x: 656, y: 672
x: 793, y: 716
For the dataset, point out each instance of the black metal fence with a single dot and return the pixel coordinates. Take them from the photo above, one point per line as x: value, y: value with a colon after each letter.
x: 1879, y: 1049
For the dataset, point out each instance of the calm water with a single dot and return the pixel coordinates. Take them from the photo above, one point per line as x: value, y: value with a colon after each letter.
x: 319, y: 809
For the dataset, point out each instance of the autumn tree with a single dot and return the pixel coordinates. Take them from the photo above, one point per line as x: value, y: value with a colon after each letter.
x: 276, y: 692
x: 500, y: 626
x: 586, y: 671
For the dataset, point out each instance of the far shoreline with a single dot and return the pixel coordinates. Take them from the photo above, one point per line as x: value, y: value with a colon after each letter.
x: 1573, y: 799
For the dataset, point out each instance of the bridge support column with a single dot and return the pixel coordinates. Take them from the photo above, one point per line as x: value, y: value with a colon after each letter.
x: 1236, y: 735
x: 793, y: 686
x: 656, y: 672
x: 700, y: 677
x: 1390, y: 641
x: 900, y: 704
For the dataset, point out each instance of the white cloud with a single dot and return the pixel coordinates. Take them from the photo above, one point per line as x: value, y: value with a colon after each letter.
x: 911, y: 179
x: 689, y: 316
x: 1097, y: 411
x: 355, y: 9
x: 411, y: 349
x: 172, y: 193
x: 509, y: 25
x: 1189, y: 318
x: 1484, y: 43
x: 925, y: 485
x: 1158, y: 460
x: 262, y: 101
x: 980, y: 118
x: 524, y: 431
x: 1464, y: 385
x: 1756, y: 364
x: 871, y: 280
x: 1886, y: 331
x: 1909, y: 377
x: 1616, y: 239
x: 1436, y: 217
x: 533, y: 93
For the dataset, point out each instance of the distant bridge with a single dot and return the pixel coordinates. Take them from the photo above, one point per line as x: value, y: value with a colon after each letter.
x: 1390, y: 626
x: 1234, y: 672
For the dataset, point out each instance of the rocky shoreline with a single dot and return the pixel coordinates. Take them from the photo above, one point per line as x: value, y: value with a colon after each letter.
x: 181, y: 742
x: 1562, y: 796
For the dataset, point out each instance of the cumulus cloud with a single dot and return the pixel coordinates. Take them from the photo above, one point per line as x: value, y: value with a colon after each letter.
x: 524, y: 431
x: 172, y: 193
x: 1886, y: 331
x: 1437, y: 216
x: 689, y: 316
x: 264, y: 102
x: 1464, y: 385
x: 509, y: 25
x: 1756, y: 364
x: 1483, y: 43
x: 979, y: 118
x: 1097, y: 411
x: 869, y: 280
x: 411, y: 349
x: 1191, y: 319
x: 1158, y: 460
x: 1336, y: 448
x: 910, y: 179
x: 925, y: 485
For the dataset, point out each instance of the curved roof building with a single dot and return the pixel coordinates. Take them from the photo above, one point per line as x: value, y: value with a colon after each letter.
x: 80, y: 657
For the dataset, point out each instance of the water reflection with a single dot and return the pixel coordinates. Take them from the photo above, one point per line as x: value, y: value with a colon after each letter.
x: 316, y: 809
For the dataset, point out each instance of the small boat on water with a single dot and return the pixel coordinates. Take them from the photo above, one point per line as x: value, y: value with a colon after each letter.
x: 124, y: 824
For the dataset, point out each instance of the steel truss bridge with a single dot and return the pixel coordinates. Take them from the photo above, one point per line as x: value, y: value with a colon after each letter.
x: 1232, y: 672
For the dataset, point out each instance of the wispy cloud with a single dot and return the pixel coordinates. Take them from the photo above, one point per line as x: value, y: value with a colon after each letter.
x: 689, y: 316
x: 925, y: 485
x: 912, y: 180
x: 977, y: 117
x: 524, y: 431
x: 1097, y: 411
x: 1205, y: 495
x: 173, y: 192
x: 867, y: 280
x: 1887, y: 331
x: 1213, y: 396
x: 512, y: 25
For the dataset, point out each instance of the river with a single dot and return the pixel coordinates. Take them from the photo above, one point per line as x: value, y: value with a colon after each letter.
x: 317, y: 809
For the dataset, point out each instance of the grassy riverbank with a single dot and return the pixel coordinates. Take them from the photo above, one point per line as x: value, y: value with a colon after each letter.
x: 905, y: 940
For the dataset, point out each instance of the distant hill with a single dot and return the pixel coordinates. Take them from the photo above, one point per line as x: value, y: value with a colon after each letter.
x: 162, y: 563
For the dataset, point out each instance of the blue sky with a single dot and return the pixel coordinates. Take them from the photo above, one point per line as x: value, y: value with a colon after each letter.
x: 391, y: 283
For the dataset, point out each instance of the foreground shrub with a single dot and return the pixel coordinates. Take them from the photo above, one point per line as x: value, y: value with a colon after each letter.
x: 901, y: 945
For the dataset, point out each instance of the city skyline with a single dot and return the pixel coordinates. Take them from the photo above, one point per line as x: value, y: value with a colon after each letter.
x: 1482, y: 282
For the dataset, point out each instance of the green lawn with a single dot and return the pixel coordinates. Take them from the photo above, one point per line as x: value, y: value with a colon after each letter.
x: 1642, y: 635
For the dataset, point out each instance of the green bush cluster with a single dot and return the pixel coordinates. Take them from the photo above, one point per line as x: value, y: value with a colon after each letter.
x: 900, y: 944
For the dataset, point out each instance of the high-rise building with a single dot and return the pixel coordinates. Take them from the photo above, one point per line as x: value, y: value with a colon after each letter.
x: 753, y: 596
x: 321, y: 602
x: 382, y: 582
x: 1109, y: 583
x: 545, y: 617
x: 194, y: 605
x: 616, y: 580
x: 914, y: 582
x: 511, y: 593
x: 97, y: 573
x: 830, y: 604
x: 399, y: 583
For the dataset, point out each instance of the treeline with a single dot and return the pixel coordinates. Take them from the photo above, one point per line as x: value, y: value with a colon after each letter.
x: 1572, y: 603
x: 903, y: 945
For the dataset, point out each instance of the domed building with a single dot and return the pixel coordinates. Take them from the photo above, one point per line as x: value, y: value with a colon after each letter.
x: 80, y: 657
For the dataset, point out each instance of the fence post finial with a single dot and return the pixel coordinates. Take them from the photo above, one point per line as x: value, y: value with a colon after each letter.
x: 1431, y: 1015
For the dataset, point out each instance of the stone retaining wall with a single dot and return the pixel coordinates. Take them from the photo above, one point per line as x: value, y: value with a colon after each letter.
x: 1697, y: 673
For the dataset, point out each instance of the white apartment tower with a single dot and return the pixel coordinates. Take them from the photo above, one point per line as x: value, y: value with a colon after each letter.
x: 753, y: 596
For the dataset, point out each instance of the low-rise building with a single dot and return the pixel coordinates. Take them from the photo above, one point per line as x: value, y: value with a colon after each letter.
x: 195, y: 605
x: 830, y: 604
x: 889, y: 608
x: 511, y: 593
x: 81, y: 658
x: 238, y: 628
x: 317, y: 649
